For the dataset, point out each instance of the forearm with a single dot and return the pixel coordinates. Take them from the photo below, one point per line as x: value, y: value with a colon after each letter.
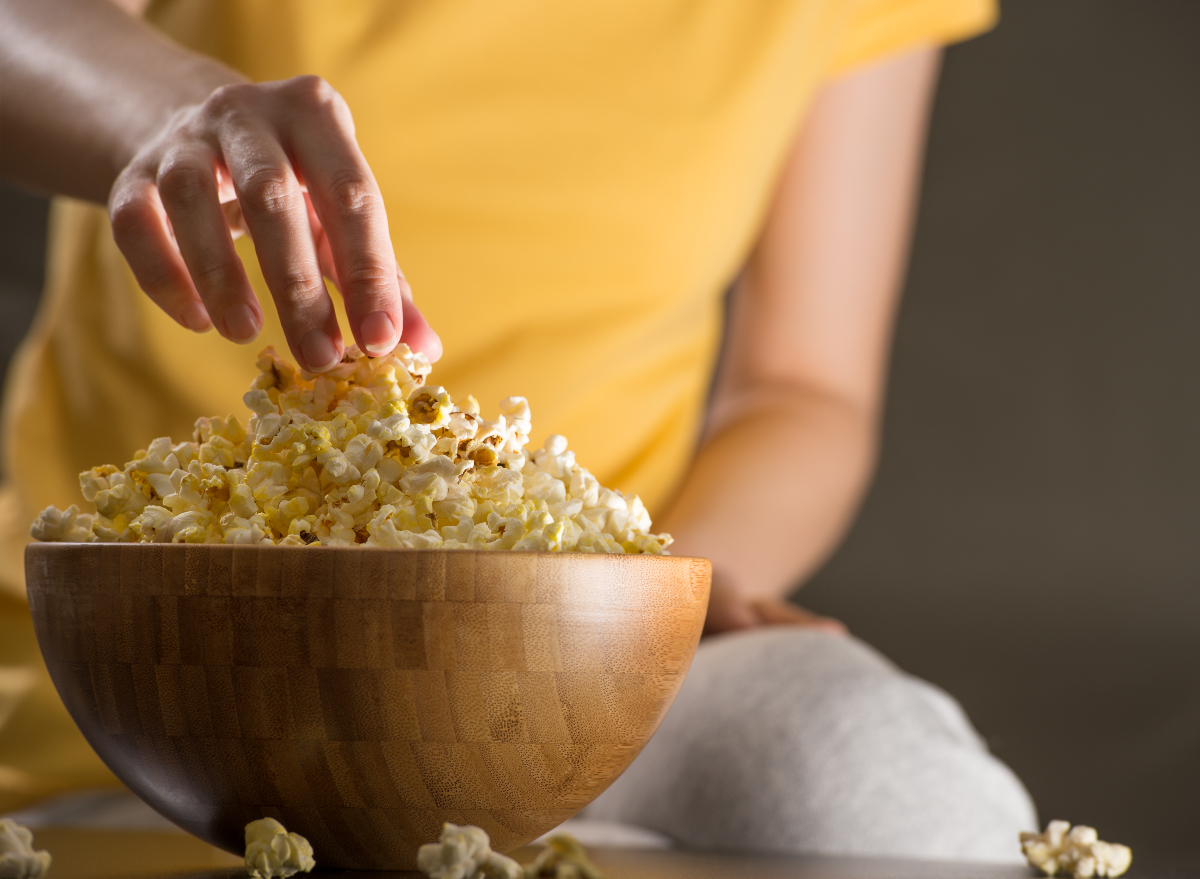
x: 85, y: 85
x: 773, y: 487
x: 793, y: 426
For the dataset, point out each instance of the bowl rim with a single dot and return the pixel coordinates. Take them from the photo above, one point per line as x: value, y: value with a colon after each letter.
x: 48, y: 545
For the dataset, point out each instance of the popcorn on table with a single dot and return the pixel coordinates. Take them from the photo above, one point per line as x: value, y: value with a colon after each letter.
x: 562, y: 858
x: 1075, y: 851
x: 465, y: 853
x: 273, y: 853
x: 365, y: 453
x: 18, y: 860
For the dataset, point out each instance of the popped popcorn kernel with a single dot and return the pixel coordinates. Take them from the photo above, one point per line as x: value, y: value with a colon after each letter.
x: 365, y: 453
x: 273, y: 853
x: 18, y: 860
x: 465, y: 853
x: 1074, y: 851
x: 562, y: 858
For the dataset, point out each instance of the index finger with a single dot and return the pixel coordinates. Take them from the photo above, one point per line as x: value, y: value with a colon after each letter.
x: 350, y: 206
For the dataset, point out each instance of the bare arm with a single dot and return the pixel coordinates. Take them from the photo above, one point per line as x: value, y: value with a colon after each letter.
x: 798, y: 398
x: 100, y: 106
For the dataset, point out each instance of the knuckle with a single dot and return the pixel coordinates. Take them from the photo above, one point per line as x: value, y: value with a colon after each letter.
x: 267, y: 190
x: 369, y: 275
x: 160, y: 284
x: 313, y: 90
x: 218, y: 276
x: 302, y: 292
x: 353, y: 194
x: 227, y: 100
x: 159, y: 280
x: 183, y: 182
x: 130, y: 219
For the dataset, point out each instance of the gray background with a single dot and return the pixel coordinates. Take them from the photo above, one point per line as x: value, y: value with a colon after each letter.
x: 1032, y: 541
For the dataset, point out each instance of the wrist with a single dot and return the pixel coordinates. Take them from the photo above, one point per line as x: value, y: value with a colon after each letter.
x: 190, y: 84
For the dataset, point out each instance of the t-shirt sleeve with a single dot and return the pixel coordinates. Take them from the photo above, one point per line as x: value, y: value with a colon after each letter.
x: 875, y: 29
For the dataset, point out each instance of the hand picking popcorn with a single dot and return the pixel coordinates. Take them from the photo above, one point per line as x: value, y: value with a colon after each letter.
x: 273, y: 853
x: 465, y: 853
x: 18, y: 860
x: 1074, y: 851
x: 562, y: 858
x: 363, y: 454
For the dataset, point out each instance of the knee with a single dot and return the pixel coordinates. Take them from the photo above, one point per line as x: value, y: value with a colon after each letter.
x: 794, y: 740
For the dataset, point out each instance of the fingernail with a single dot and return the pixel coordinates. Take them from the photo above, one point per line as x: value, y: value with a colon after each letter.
x: 195, y: 318
x: 319, y: 351
x: 241, y: 324
x: 378, y: 333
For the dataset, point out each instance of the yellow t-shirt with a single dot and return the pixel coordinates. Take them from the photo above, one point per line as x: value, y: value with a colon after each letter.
x: 570, y: 188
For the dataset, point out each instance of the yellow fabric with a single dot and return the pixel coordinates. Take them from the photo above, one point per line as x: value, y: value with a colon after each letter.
x: 570, y: 188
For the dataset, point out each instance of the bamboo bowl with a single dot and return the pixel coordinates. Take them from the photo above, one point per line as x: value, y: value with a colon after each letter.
x: 364, y: 696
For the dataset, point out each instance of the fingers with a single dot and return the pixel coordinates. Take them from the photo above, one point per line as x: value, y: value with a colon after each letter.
x: 350, y: 208
x: 242, y: 162
x: 275, y: 213
x: 784, y: 613
x: 417, y: 334
x: 187, y: 183
x: 142, y: 234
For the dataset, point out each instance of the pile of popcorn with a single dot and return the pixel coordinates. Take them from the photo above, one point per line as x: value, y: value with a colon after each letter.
x: 1075, y: 851
x: 365, y: 453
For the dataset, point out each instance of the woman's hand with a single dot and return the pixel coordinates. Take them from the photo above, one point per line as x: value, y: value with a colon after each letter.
x: 278, y: 160
x: 729, y: 612
x: 101, y: 106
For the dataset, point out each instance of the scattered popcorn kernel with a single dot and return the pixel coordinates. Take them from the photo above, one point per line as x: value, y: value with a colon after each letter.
x: 18, y: 860
x: 365, y: 453
x: 562, y: 858
x: 1074, y: 851
x: 273, y: 853
x: 465, y: 853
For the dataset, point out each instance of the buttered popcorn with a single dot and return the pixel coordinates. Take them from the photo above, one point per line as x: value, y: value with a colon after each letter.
x: 365, y: 453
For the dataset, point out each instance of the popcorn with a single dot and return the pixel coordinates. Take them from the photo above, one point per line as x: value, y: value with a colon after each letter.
x: 68, y: 524
x: 365, y: 453
x: 562, y: 858
x: 1076, y: 851
x: 272, y: 852
x: 18, y: 860
x: 465, y: 853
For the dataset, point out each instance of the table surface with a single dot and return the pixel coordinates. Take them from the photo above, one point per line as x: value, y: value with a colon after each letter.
x: 129, y: 854
x: 126, y: 854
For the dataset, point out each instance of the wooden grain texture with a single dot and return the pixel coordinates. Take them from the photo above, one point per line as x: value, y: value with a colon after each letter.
x: 364, y: 696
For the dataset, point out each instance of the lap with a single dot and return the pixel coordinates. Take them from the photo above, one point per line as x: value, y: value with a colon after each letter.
x: 789, y: 739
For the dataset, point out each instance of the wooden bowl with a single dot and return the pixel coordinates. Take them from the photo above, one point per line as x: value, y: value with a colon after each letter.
x: 364, y: 696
